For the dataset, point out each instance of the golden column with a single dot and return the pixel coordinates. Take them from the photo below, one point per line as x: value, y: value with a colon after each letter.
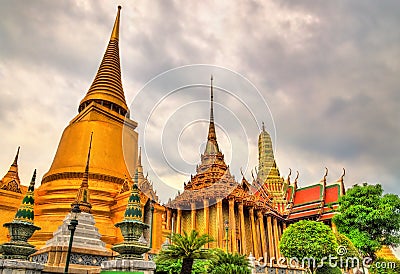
x: 284, y: 226
x: 253, y: 232
x: 219, y: 225
x: 276, y: 237
x: 242, y: 229
x: 178, y: 221
x: 271, y: 251
x: 232, y: 225
x: 262, y: 231
x: 169, y: 218
x: 193, y: 215
x: 206, y: 219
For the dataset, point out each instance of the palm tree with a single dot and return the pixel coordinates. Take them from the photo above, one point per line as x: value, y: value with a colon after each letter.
x: 187, y: 247
x: 229, y: 263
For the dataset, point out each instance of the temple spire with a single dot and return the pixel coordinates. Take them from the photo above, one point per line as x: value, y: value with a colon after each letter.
x: 82, y: 197
x: 115, y: 31
x: 25, y: 212
x: 11, y: 180
x: 106, y: 88
x: 140, y: 157
x: 212, y: 145
x: 15, y: 163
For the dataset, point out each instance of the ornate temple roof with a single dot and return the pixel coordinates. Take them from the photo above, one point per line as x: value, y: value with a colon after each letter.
x: 11, y: 180
x: 107, y: 85
x: 319, y: 200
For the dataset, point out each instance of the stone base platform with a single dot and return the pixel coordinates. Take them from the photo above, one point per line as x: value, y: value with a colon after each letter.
x: 9, y: 266
x: 134, y: 266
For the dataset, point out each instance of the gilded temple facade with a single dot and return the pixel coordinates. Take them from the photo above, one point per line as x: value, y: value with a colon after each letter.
x: 245, y: 217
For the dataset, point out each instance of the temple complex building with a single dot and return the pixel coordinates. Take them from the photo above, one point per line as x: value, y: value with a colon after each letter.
x: 247, y: 216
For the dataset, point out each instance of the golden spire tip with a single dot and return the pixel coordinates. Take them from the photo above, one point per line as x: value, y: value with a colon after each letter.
x: 115, y: 31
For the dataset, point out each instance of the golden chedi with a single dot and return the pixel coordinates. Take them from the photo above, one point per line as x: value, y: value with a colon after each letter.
x: 104, y: 112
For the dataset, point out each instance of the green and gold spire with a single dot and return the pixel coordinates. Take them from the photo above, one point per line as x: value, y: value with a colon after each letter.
x: 25, y: 212
x: 83, y: 197
x: 133, y: 210
x: 266, y: 161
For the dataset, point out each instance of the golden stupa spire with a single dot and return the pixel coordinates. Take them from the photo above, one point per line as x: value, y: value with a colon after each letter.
x: 11, y: 180
x: 82, y: 198
x: 115, y: 31
x: 212, y: 145
x: 106, y: 88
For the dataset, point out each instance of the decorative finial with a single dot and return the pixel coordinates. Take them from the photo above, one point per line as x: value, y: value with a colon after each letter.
x: 83, y: 196
x: 140, y: 157
x: 115, y: 31
x: 241, y: 172
x: 290, y: 173
x: 32, y: 184
x: 343, y: 189
x: 326, y: 174
x: 263, y: 126
x: 16, y: 157
x: 88, y: 157
x: 344, y: 173
x: 295, y: 180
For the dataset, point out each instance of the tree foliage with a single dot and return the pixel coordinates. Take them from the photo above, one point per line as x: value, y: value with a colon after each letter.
x: 174, y: 266
x: 308, y: 239
x: 229, y: 263
x: 369, y: 218
x: 385, y: 266
x: 187, y: 247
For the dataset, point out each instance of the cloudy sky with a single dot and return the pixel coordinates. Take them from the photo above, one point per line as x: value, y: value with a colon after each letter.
x: 323, y: 75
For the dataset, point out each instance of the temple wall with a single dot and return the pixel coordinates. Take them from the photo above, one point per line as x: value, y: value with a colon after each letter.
x: 10, y: 202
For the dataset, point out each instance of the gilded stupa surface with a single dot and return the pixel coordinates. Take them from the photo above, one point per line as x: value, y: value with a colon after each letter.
x: 113, y: 154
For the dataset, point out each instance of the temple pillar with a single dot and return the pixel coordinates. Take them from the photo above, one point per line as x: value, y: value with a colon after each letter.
x: 178, y: 221
x: 242, y: 230
x: 193, y: 215
x: 169, y: 217
x: 206, y: 219
x: 284, y: 226
x: 253, y: 233
x: 271, y: 251
x: 262, y: 232
x: 219, y: 224
x: 276, y: 238
x: 232, y: 225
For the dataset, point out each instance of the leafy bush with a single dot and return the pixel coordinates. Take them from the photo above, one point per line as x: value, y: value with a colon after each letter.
x: 329, y: 270
x: 385, y: 266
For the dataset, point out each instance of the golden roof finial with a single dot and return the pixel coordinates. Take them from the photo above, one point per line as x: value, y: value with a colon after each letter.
x: 82, y: 197
x: 15, y: 163
x: 263, y: 126
x: 140, y: 157
x: 212, y: 145
x: 115, y: 31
